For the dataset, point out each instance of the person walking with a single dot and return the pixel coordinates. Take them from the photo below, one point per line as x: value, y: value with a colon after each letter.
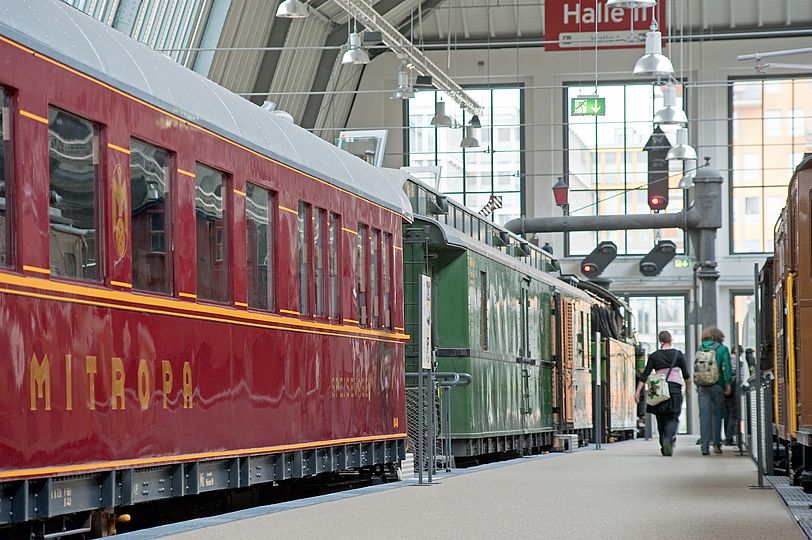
x: 670, y: 362
x: 712, y: 393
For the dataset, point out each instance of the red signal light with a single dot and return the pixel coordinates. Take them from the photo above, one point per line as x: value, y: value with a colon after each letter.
x: 655, y: 202
x: 587, y: 268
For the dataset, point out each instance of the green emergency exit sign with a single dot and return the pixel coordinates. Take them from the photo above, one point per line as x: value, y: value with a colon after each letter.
x: 588, y: 106
x: 682, y: 263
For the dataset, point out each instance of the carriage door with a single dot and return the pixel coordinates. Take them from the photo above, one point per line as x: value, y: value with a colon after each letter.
x: 524, y: 349
x: 568, y: 337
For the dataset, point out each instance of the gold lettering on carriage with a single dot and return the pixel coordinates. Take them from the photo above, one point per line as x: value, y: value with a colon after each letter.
x: 138, y: 383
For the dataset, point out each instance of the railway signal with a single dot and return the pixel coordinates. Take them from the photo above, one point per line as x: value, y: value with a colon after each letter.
x: 597, y: 261
x: 657, y: 148
x: 653, y: 263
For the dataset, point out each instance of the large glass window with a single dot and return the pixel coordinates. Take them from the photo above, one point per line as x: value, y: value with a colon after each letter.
x: 149, y: 187
x: 305, y: 234
x: 72, y: 166
x: 259, y: 232
x: 472, y: 175
x: 334, y: 258
x: 770, y: 131
x: 608, y: 169
x: 655, y: 314
x: 5, y: 182
x: 212, y: 236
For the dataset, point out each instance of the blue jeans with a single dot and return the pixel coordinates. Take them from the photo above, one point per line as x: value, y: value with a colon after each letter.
x: 710, y: 415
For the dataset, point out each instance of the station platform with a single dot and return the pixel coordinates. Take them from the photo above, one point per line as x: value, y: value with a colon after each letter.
x: 625, y: 490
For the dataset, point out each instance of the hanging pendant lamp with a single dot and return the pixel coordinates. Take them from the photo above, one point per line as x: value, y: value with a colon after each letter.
x: 292, y: 9
x: 475, y: 123
x: 355, y: 54
x: 631, y: 4
x: 469, y: 141
x: 653, y: 62
x: 682, y: 151
x: 404, y: 89
x: 441, y: 119
x: 687, y: 180
x: 670, y: 114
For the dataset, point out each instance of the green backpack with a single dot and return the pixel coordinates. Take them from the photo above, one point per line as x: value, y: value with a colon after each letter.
x: 706, y: 369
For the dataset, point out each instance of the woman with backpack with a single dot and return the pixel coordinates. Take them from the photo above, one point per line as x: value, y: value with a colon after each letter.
x: 668, y: 362
x: 712, y: 376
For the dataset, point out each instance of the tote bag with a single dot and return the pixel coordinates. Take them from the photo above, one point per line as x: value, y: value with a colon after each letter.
x: 657, y: 387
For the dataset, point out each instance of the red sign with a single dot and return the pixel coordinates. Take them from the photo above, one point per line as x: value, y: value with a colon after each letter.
x: 571, y: 24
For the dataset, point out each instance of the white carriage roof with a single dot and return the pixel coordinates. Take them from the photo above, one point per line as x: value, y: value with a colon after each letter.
x: 67, y: 35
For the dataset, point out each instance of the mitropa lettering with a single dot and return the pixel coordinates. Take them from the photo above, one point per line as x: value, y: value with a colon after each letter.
x: 145, y: 380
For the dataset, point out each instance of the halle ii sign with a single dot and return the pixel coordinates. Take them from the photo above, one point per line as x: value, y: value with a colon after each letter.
x: 571, y: 24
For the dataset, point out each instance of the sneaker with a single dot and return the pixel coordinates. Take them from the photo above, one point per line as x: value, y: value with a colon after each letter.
x: 705, y: 452
x: 667, y: 449
x: 717, y: 449
x: 698, y: 442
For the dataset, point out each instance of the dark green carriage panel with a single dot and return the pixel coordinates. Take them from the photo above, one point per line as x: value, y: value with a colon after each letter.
x: 450, y: 301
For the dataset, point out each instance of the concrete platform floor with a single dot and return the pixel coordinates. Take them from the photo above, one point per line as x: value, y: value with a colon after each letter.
x: 625, y: 491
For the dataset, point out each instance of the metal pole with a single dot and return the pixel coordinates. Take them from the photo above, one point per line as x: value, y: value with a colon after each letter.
x: 448, y: 429
x: 759, y: 430
x: 431, y: 440
x: 738, y: 390
x: 597, y: 398
x: 421, y: 425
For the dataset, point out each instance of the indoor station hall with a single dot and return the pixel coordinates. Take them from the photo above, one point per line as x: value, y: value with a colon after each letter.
x: 399, y: 268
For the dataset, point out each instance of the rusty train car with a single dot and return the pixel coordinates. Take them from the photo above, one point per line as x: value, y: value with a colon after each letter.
x: 194, y: 293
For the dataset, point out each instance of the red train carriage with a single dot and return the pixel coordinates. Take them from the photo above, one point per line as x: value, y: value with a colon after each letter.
x: 186, y: 303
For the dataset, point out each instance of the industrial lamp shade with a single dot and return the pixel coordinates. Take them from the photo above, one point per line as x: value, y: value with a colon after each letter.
x: 441, y: 119
x: 404, y: 89
x: 475, y: 123
x: 682, y: 151
x: 292, y: 9
x: 631, y: 4
x: 670, y: 114
x: 654, y: 63
x: 687, y: 180
x: 561, y: 193
x: 469, y: 141
x: 355, y: 54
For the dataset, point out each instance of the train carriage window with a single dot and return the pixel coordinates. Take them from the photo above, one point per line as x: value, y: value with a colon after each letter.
x: 5, y: 183
x: 149, y: 190
x: 319, y: 275
x: 212, y: 236
x: 363, y: 239
x: 374, y: 239
x: 259, y: 231
x: 483, y: 310
x: 334, y: 257
x: 72, y: 168
x: 386, y: 278
x: 305, y: 235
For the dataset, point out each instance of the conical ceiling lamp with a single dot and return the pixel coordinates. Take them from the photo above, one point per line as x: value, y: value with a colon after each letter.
x: 670, y: 114
x: 469, y: 141
x: 441, y: 119
x: 292, y: 9
x: 631, y: 4
x: 355, y: 54
x: 687, y: 180
x: 404, y: 89
x: 475, y: 123
x: 654, y: 62
x: 682, y: 151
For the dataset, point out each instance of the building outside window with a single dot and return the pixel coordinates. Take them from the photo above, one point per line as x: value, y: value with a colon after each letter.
x: 472, y: 175
x: 608, y: 169
x: 769, y: 133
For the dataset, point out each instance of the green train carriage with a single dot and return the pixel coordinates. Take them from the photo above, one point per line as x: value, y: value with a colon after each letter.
x: 500, y: 316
